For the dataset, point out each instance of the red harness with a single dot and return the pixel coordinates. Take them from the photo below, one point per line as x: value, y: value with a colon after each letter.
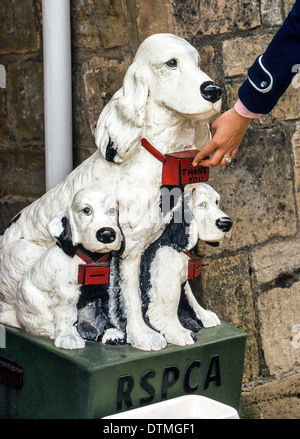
x: 194, y: 266
x: 93, y: 273
x: 177, y: 170
x: 177, y: 167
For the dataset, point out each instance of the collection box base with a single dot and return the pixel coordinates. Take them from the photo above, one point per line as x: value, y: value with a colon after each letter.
x: 40, y: 381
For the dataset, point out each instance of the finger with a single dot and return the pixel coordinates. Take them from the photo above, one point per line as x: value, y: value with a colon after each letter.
x: 205, y: 152
x: 215, y: 160
x: 231, y: 154
x: 234, y: 153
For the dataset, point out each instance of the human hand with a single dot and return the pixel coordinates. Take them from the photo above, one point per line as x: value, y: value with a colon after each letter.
x: 228, y: 132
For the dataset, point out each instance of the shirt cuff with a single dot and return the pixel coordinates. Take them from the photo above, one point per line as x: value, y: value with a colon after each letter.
x: 243, y: 111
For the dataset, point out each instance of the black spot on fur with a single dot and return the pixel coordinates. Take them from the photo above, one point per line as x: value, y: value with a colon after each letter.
x: 87, y: 331
x: 176, y: 236
x: 98, y: 322
x: 117, y: 297
x: 118, y: 253
x: 64, y: 240
x: 14, y: 220
x: 99, y: 296
x: 91, y: 293
x: 186, y: 314
x: 110, y: 152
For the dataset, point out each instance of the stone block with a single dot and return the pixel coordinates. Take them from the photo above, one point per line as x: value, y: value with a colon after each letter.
x: 271, y: 12
x: 288, y: 106
x: 22, y: 172
x: 18, y: 30
x: 154, y: 17
x: 215, y: 17
x: 10, y: 207
x: 101, y: 79
x: 240, y: 53
x: 279, y: 318
x: 208, y: 61
x: 4, y: 124
x: 81, y: 154
x: 224, y: 288
x: 273, y: 400
x: 296, y: 153
x: 287, y: 6
x: 25, y: 88
x: 98, y: 24
x: 275, y: 260
x: 257, y: 188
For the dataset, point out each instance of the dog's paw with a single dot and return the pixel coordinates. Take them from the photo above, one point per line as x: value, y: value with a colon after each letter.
x: 113, y: 336
x: 149, y: 340
x: 180, y: 337
x: 191, y: 324
x: 69, y: 340
x: 209, y: 319
x: 87, y: 331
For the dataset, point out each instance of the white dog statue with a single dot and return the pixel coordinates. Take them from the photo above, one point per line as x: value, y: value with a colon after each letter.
x: 165, y: 98
x: 168, y: 302
x: 47, y: 296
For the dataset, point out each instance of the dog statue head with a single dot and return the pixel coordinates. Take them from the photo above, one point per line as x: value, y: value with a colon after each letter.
x: 91, y: 221
x: 208, y: 222
x: 165, y: 74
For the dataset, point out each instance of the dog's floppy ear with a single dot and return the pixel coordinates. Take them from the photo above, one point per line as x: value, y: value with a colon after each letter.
x: 118, y: 253
x: 188, y: 207
x: 60, y: 229
x: 120, y: 124
x: 55, y: 226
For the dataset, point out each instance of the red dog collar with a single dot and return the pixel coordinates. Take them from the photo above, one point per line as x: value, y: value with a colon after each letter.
x: 93, y: 273
x: 194, y: 266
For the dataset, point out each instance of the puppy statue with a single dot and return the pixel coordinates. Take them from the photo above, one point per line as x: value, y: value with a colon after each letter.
x: 169, y: 305
x: 48, y: 295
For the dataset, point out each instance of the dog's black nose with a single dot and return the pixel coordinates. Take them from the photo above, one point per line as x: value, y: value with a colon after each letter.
x: 224, y: 223
x: 106, y: 235
x: 210, y: 91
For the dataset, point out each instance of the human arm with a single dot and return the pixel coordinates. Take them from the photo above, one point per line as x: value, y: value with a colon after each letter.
x: 267, y: 80
x: 227, y: 133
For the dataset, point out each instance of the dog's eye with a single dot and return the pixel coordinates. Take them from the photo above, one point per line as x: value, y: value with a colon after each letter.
x: 87, y: 211
x: 217, y: 202
x: 172, y: 63
x: 112, y: 211
x: 202, y: 205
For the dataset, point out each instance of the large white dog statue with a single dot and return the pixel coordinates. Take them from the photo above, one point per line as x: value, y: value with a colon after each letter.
x: 165, y: 98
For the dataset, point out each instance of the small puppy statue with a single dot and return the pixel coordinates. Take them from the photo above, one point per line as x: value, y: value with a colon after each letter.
x: 48, y: 295
x: 169, y: 305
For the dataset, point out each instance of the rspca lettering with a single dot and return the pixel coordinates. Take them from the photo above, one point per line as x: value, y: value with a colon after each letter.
x: 171, y: 376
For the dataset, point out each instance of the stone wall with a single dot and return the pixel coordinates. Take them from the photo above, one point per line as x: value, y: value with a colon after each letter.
x: 253, y: 279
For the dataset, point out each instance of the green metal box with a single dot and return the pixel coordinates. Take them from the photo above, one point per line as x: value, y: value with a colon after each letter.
x: 39, y: 381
